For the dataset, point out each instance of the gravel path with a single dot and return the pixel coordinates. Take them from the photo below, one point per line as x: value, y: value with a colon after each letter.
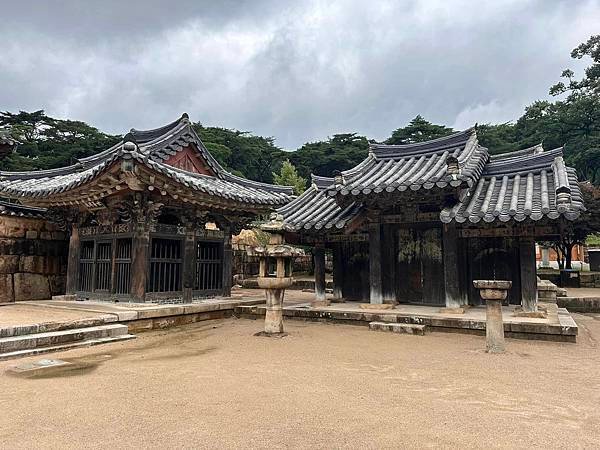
x: 215, y: 385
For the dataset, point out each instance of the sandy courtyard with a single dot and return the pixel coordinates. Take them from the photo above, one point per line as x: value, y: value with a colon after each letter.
x: 214, y: 385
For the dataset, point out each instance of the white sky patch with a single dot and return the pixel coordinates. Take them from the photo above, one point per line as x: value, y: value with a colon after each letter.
x: 299, y: 71
x: 492, y: 112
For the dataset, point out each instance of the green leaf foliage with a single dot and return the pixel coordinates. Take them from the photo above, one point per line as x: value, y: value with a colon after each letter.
x: 288, y: 176
x: 418, y: 130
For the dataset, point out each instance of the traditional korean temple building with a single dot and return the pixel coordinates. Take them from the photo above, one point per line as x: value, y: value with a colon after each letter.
x: 418, y: 223
x: 137, y: 215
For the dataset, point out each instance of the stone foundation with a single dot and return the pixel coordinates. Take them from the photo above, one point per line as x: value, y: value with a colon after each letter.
x: 33, y: 259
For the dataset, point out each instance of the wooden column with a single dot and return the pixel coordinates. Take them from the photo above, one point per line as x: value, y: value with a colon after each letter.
x: 388, y: 268
x: 189, y: 263
x: 528, y: 274
x: 73, y: 261
x: 319, y: 255
x: 375, y: 254
x: 227, y: 262
x: 452, y: 266
x: 338, y: 271
x: 140, y: 261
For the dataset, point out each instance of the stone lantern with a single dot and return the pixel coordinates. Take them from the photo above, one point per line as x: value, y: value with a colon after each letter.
x: 274, y: 275
x: 493, y: 292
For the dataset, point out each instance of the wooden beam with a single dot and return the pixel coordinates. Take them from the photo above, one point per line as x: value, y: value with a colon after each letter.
x: 319, y: 255
x: 140, y: 261
x: 375, y: 279
x: 73, y: 261
x: 528, y: 274
x: 338, y: 271
x: 452, y: 266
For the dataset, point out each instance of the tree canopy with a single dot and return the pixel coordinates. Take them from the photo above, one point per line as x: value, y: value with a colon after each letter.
x: 570, y: 118
x: 418, y: 130
x: 288, y: 176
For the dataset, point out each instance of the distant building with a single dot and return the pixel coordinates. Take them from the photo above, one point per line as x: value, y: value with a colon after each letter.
x: 418, y: 223
x: 137, y: 214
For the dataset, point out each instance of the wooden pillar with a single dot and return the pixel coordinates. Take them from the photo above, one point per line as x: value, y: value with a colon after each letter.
x: 73, y: 261
x: 528, y: 274
x: 140, y: 261
x: 375, y: 254
x: 388, y: 268
x: 189, y: 263
x: 452, y: 267
x: 227, y: 262
x: 319, y: 255
x: 338, y: 271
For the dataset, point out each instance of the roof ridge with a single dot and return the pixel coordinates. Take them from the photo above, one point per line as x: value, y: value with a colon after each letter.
x: 533, y: 150
x: 146, y: 136
x: 468, y: 131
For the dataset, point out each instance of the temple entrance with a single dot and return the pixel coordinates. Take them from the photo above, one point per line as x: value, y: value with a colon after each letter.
x: 419, y: 266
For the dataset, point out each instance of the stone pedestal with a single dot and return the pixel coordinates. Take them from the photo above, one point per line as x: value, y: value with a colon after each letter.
x: 274, y: 292
x: 493, y: 292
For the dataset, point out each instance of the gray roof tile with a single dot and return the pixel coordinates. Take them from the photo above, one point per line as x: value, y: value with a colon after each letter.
x: 150, y: 148
x: 417, y: 166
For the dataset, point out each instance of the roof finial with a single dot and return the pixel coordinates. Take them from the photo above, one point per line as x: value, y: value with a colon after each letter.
x: 452, y: 166
x: 185, y: 116
x: 129, y: 142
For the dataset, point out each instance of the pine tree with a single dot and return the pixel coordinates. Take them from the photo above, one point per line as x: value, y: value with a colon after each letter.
x: 288, y: 176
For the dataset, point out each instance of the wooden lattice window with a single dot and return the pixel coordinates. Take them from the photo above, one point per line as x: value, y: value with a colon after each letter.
x: 86, y: 266
x: 122, y: 269
x: 209, y: 266
x: 103, y: 266
x: 165, y: 265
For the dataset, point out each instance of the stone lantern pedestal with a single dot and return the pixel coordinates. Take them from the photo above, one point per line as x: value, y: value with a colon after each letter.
x: 493, y: 292
x: 274, y: 291
x: 274, y: 275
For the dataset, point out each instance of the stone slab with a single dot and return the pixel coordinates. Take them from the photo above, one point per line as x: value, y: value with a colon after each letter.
x: 377, y: 306
x: 65, y: 347
x: 46, y: 339
x: 401, y: 328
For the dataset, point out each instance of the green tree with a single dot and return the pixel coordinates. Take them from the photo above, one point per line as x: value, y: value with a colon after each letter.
x: 253, y: 157
x: 46, y: 142
x: 577, y: 232
x: 288, y: 176
x: 418, y: 130
x: 340, y: 152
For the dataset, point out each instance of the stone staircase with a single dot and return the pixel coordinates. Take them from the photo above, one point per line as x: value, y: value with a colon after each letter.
x: 402, y: 328
x: 30, y: 341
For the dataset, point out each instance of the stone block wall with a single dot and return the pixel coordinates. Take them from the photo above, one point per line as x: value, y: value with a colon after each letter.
x: 33, y: 259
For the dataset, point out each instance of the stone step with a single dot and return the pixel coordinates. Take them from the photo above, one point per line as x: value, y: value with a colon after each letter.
x: 52, y: 338
x: 46, y: 327
x: 64, y: 347
x: 404, y: 328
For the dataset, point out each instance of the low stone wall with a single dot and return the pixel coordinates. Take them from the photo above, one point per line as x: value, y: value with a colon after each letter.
x: 33, y: 259
x: 586, y: 279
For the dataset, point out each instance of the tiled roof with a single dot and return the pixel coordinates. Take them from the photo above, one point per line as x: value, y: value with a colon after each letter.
x: 415, y: 166
x: 530, y: 184
x: 151, y: 149
x: 526, y: 184
x: 13, y: 209
x: 315, y: 210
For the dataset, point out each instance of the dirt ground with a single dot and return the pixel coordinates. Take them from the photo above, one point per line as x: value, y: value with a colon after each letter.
x: 215, y: 385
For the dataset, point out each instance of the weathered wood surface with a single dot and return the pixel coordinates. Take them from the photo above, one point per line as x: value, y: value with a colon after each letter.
x: 528, y: 274
x: 73, y: 261
x: 375, y: 255
x: 319, y: 255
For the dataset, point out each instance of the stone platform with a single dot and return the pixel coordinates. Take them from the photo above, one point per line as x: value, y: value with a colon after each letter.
x: 557, y: 326
x: 52, y: 315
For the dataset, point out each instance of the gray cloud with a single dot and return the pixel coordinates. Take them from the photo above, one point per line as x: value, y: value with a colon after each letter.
x: 298, y: 71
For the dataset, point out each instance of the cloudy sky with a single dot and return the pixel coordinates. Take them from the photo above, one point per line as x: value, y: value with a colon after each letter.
x: 298, y: 71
